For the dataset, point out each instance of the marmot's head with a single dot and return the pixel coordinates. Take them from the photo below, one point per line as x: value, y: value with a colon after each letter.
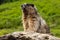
x: 28, y: 8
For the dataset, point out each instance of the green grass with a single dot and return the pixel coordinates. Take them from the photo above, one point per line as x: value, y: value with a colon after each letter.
x: 56, y: 32
x: 11, y: 15
x: 10, y: 30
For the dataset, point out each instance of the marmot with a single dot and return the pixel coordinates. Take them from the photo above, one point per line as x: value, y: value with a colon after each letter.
x: 32, y: 21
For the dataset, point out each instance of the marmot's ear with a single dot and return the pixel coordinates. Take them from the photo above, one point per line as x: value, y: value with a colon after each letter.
x: 21, y: 5
x: 32, y: 5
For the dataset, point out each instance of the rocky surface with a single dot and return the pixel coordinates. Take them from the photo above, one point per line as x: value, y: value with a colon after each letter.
x: 28, y: 36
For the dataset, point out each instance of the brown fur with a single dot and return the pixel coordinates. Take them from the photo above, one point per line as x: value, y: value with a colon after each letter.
x: 32, y: 21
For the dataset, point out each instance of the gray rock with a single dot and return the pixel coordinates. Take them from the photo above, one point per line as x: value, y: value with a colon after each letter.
x: 28, y: 36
